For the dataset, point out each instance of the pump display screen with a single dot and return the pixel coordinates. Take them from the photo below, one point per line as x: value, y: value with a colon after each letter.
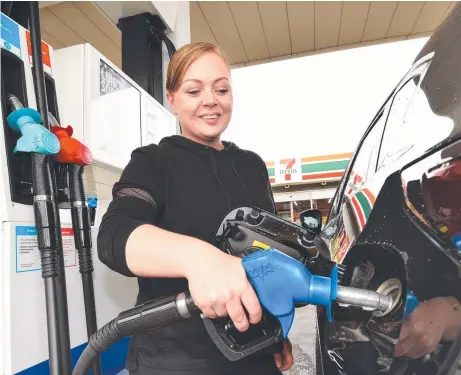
x: 110, y: 81
x: 114, y: 116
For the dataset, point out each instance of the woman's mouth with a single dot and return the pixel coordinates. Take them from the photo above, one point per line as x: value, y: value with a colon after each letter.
x: 211, y: 119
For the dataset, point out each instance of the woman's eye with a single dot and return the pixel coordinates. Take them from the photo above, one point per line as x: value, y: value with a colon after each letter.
x: 193, y: 92
x: 223, y: 91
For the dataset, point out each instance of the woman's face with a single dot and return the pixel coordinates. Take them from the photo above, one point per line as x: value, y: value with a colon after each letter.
x: 203, y: 102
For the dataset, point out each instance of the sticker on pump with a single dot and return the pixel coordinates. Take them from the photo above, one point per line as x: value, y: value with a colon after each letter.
x: 28, y: 254
x: 45, y: 54
x: 10, y: 39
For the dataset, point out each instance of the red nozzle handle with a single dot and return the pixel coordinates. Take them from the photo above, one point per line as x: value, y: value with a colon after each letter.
x: 72, y: 151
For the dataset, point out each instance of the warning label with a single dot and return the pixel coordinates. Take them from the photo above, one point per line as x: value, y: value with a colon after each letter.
x: 28, y: 255
x: 45, y: 54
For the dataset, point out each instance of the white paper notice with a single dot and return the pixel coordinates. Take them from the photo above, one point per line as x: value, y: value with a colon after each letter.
x: 158, y: 123
x: 68, y: 246
x: 28, y: 255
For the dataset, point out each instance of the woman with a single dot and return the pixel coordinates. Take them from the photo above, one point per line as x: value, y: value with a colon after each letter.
x: 166, y: 208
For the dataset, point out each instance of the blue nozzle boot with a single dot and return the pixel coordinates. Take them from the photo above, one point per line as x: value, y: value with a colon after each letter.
x: 35, y: 137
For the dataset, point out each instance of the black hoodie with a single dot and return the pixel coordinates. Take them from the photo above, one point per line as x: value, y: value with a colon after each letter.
x: 187, y: 188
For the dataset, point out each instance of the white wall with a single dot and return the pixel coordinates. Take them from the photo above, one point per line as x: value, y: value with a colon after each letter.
x: 179, y: 37
x: 315, y: 105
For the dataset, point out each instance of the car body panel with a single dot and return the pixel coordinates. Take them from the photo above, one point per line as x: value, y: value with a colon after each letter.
x: 398, y: 195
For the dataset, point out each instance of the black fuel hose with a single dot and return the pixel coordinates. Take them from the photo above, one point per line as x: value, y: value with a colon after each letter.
x: 48, y: 224
x: 154, y: 314
x: 81, y: 224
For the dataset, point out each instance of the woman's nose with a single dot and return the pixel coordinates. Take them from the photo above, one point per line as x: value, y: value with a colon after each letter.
x: 209, y: 99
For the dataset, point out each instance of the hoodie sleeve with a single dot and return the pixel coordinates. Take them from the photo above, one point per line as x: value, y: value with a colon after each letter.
x: 138, y: 198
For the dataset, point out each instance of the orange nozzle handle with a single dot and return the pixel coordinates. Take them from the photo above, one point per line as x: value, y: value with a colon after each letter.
x: 72, y: 151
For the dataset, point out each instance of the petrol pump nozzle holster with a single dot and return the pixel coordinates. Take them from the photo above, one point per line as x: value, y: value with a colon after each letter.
x: 247, y: 230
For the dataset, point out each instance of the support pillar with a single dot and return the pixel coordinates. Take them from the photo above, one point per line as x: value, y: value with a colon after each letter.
x: 142, y: 37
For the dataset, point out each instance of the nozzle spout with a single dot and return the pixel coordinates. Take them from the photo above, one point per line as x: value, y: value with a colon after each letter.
x: 15, y: 103
x: 366, y: 299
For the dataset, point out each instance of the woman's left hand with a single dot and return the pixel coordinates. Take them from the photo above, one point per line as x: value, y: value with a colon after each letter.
x: 432, y: 321
x: 284, y: 360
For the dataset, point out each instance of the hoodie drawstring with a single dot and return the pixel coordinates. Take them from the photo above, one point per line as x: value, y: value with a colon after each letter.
x: 215, y: 171
x: 241, y: 180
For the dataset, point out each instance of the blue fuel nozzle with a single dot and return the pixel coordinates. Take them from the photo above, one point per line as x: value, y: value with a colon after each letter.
x: 35, y: 137
x: 281, y: 281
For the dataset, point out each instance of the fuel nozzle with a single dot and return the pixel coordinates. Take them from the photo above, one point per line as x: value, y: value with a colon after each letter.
x: 35, y: 137
x: 72, y: 151
x: 281, y: 281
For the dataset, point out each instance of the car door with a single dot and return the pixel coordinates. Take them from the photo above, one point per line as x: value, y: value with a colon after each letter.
x: 386, y: 146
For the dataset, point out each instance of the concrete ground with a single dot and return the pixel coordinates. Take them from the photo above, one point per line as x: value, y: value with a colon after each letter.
x: 303, y: 335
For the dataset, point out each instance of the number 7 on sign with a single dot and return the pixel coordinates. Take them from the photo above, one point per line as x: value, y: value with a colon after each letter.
x: 288, y: 170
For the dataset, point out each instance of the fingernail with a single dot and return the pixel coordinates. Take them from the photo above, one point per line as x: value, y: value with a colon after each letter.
x: 278, y: 364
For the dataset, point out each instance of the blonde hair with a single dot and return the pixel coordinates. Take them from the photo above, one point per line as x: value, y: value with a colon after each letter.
x: 184, y: 57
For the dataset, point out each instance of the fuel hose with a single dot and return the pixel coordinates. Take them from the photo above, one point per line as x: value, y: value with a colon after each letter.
x: 150, y: 315
x: 47, y: 222
x: 169, y: 310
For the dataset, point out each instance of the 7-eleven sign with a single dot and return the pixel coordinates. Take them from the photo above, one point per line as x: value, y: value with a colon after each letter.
x: 289, y: 170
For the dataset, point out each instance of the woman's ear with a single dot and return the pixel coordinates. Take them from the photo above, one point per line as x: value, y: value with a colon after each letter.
x: 171, y: 101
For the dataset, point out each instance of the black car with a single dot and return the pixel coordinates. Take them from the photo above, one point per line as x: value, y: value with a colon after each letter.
x: 395, y: 221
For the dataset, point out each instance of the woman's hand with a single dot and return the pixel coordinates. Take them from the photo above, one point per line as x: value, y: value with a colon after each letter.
x: 219, y: 287
x: 432, y: 321
x: 284, y: 360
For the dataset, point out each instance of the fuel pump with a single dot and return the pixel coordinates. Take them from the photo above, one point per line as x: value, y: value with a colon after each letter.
x: 35, y: 187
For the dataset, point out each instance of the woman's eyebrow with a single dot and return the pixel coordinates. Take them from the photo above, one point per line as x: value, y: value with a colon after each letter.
x: 193, y: 80
x: 199, y: 81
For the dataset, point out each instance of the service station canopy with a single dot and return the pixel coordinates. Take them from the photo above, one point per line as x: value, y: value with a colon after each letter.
x: 251, y: 32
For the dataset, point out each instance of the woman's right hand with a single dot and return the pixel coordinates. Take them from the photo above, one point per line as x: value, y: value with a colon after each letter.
x: 219, y: 287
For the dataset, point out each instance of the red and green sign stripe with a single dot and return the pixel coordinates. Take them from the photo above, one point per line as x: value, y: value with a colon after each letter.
x: 363, y: 202
x: 270, y: 165
x: 324, y: 167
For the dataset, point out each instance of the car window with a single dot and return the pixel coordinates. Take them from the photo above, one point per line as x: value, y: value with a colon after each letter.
x: 365, y: 161
x: 422, y: 128
x: 394, y: 145
x: 365, y: 164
